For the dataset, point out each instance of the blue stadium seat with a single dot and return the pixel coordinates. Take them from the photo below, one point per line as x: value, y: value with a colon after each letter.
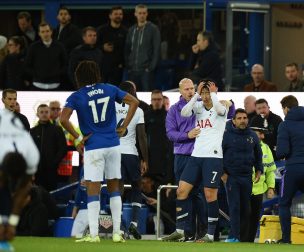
x: 127, y: 216
x: 63, y: 227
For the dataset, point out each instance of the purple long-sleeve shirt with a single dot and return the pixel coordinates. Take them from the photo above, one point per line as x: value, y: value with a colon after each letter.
x: 177, y: 128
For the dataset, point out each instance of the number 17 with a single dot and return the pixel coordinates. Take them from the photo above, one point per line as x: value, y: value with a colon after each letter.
x: 92, y: 104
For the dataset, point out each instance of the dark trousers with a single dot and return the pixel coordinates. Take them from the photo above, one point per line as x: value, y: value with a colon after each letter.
x: 238, y: 192
x: 292, y: 181
x: 249, y: 234
x: 143, y: 80
x: 112, y: 75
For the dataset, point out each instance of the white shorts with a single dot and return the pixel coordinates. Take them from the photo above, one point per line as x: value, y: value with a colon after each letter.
x: 80, y: 223
x: 102, y: 161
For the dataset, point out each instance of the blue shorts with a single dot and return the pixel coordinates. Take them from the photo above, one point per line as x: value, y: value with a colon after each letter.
x: 180, y: 163
x: 130, y: 168
x: 205, y: 172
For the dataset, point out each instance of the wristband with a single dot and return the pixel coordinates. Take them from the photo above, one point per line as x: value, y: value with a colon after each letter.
x: 78, y: 140
x: 13, y: 220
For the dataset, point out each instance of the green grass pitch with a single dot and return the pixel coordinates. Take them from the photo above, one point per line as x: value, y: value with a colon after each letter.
x: 36, y: 244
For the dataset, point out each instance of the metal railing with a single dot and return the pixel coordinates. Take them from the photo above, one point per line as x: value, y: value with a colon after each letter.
x: 158, y: 207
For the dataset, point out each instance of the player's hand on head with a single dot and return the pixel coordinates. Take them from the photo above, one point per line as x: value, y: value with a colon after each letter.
x: 212, y: 87
x: 200, y: 88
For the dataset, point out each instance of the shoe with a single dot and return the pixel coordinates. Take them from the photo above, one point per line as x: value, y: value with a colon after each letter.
x: 205, y: 239
x: 6, y: 247
x: 175, y: 236
x: 118, y: 237
x: 133, y: 231
x: 232, y: 240
x: 189, y: 239
x: 88, y: 238
x: 282, y: 242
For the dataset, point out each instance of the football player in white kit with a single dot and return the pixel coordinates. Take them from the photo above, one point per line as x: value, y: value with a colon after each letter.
x: 130, y: 162
x: 206, y: 162
x: 19, y: 158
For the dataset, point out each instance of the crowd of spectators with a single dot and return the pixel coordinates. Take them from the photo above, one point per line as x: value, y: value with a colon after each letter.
x: 41, y: 57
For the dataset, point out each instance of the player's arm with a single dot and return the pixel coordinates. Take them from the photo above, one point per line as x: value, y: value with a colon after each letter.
x: 143, y: 145
x: 188, y: 108
x: 66, y: 123
x: 133, y: 104
x: 219, y: 107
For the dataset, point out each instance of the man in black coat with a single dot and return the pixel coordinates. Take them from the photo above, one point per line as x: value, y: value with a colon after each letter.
x: 46, y: 61
x: 111, y: 40
x: 85, y: 51
x: 160, y: 148
x: 51, y: 143
x: 205, y: 60
x: 66, y: 32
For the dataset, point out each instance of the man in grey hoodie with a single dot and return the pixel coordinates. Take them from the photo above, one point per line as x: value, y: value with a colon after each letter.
x: 142, y: 50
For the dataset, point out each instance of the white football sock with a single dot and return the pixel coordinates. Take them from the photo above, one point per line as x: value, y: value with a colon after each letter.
x: 93, y: 213
x: 115, y: 206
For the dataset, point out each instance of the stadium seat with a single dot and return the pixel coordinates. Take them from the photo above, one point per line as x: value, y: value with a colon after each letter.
x: 63, y: 227
x: 127, y: 216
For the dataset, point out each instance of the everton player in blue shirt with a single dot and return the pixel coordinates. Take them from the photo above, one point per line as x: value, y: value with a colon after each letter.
x: 94, y: 103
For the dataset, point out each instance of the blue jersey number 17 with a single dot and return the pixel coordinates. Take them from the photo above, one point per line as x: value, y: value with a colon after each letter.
x: 93, y: 103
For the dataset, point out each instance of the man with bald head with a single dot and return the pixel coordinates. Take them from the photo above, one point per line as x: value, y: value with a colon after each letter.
x: 259, y: 84
x: 249, y: 106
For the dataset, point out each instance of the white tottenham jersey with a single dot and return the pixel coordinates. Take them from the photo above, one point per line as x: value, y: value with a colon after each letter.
x: 209, y: 142
x: 14, y: 138
x: 127, y: 143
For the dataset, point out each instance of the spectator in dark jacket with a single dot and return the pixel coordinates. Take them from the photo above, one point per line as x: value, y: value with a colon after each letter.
x: 142, y: 50
x: 51, y: 143
x: 86, y: 51
x: 12, y: 70
x: 290, y: 146
x: 242, y: 151
x: 205, y: 60
x: 111, y: 40
x: 66, y: 32
x: 46, y: 61
x: 25, y: 27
